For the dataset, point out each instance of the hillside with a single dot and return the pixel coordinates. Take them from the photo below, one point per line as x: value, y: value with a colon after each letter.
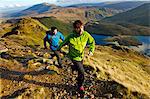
x: 65, y: 14
x: 36, y: 9
x: 99, y: 13
x: 121, y: 73
x: 124, y: 5
x: 139, y: 16
x: 27, y: 71
x: 88, y: 5
x: 51, y: 21
x: 25, y: 27
x: 108, y: 28
x: 85, y: 14
x: 22, y: 32
x: 120, y: 5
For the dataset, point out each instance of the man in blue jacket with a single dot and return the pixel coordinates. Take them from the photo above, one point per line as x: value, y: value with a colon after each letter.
x: 53, y: 37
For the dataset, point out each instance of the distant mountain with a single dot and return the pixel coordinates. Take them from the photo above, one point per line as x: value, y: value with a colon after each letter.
x: 109, y: 28
x: 113, y: 5
x: 99, y: 13
x: 69, y: 14
x: 139, y: 15
x: 125, y: 5
x: 88, y: 5
x: 85, y: 14
x: 36, y: 9
x: 46, y: 8
x: 13, y: 9
x: 51, y: 21
x: 4, y: 12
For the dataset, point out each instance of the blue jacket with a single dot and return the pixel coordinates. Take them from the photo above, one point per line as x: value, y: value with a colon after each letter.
x: 53, y: 40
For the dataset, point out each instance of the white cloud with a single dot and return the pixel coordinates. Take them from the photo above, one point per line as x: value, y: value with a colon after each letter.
x: 2, y: 6
x: 68, y: 2
x: 18, y: 5
x: 11, y: 5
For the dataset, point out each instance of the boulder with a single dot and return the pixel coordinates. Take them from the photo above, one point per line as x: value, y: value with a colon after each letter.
x: 53, y: 68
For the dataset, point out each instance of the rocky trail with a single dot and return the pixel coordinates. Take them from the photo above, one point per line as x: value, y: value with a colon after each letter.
x: 61, y: 83
x: 28, y: 73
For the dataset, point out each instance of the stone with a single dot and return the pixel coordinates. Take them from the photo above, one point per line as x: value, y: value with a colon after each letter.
x: 3, y: 50
x: 37, y: 64
x: 29, y: 51
x: 46, y: 55
x: 109, y: 96
x: 53, y: 68
x: 92, y: 96
x: 30, y: 62
x: 61, y: 55
x: 33, y: 64
x: 28, y: 77
x: 65, y: 92
x: 42, y: 91
x: 73, y: 79
x: 56, y: 62
x: 55, y: 58
x: 54, y: 89
x: 50, y: 61
x: 40, y: 68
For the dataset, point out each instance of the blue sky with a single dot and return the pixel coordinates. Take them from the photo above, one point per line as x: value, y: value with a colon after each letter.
x: 19, y: 3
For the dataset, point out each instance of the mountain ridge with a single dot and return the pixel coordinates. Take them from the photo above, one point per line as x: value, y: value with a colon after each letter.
x: 137, y: 15
x: 36, y: 9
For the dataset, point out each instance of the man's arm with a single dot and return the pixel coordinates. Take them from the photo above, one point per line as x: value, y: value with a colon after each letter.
x: 91, y: 42
x: 64, y: 42
x: 62, y: 37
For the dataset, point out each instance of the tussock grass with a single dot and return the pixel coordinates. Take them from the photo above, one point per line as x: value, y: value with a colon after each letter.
x: 122, y: 67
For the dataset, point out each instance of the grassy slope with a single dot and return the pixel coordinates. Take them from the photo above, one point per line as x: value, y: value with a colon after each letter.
x: 5, y: 28
x: 50, y: 21
x: 126, y: 67
x: 138, y: 16
x: 31, y: 32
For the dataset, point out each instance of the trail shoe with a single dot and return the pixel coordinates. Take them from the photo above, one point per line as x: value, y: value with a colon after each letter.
x: 81, y: 92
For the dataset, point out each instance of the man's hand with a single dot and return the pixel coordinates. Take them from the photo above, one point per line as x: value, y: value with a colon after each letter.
x: 90, y: 53
x: 45, y: 48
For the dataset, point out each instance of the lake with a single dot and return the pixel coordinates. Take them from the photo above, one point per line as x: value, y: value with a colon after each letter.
x: 144, y: 48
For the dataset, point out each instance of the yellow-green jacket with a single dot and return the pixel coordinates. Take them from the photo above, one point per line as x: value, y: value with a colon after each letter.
x: 77, y: 44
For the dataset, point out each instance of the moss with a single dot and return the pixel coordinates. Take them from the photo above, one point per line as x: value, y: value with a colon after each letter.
x: 62, y: 27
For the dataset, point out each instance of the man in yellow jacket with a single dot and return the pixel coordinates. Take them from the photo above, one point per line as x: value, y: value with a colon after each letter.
x: 77, y: 42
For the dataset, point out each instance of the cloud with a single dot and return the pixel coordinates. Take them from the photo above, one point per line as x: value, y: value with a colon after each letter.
x: 76, y: 1
x: 2, y: 6
x: 67, y: 2
x: 11, y: 5
x: 18, y: 5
